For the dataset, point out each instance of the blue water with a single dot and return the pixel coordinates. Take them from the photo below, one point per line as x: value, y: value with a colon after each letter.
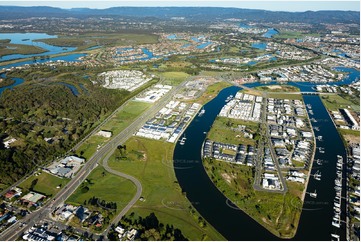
x: 195, y: 39
x: 252, y: 63
x: 172, y: 36
x: 148, y: 53
x: 261, y: 46
x: 28, y: 39
x: 17, y: 80
x: 273, y: 58
x: 270, y: 33
x: 72, y: 88
x: 204, y: 45
x: 71, y: 57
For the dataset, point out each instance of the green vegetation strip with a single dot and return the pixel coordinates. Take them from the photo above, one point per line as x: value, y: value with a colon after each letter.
x: 9, y: 49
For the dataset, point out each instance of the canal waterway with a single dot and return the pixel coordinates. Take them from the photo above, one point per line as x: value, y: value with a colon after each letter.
x: 233, y: 224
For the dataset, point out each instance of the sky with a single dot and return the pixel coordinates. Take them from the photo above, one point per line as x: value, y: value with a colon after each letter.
x: 280, y: 5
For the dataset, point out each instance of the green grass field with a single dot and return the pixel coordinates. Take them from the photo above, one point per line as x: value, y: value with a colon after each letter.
x: 285, y: 96
x: 335, y: 102
x: 126, y: 116
x: 174, y: 77
x: 154, y: 169
x: 278, y: 88
x: 293, y: 35
x: 90, y: 146
x: 221, y: 131
x: 46, y: 184
x: 105, y: 186
x: 277, y: 212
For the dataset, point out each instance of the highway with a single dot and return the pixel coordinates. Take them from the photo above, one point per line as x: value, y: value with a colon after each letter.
x: 13, y: 232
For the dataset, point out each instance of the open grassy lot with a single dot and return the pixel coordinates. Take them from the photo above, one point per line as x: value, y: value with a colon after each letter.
x: 222, y: 131
x: 150, y: 161
x: 285, y: 96
x: 277, y: 212
x: 350, y: 136
x: 90, y: 146
x: 211, y: 92
x: 104, y: 186
x: 335, y: 102
x: 173, y: 77
x: 127, y: 115
x: 278, y: 88
x: 45, y: 184
x: 9, y: 49
x: 293, y: 35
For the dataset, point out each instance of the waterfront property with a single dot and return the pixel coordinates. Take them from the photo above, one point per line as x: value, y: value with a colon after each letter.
x: 243, y: 106
x: 238, y: 154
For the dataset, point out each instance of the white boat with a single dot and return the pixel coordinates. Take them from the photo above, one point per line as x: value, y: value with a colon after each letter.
x: 335, y: 236
x: 201, y: 112
x: 338, y: 182
x: 336, y: 224
x: 183, y: 140
x: 319, y: 138
x: 313, y: 194
x: 317, y: 176
x: 339, y: 158
x: 229, y: 98
x: 319, y: 162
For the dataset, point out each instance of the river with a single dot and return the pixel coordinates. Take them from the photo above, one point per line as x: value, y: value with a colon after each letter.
x: 233, y: 224
x: 18, y: 81
x: 30, y: 39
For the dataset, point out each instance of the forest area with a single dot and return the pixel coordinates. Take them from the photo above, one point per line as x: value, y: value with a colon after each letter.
x: 45, y: 117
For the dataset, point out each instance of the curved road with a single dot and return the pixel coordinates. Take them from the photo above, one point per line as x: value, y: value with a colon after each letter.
x: 134, y: 199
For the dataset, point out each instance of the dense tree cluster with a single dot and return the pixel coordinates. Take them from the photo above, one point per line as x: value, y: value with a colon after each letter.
x: 94, y: 201
x: 149, y: 228
x: 47, y: 119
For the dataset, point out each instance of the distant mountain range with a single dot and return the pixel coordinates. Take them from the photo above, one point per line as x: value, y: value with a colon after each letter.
x: 189, y: 13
